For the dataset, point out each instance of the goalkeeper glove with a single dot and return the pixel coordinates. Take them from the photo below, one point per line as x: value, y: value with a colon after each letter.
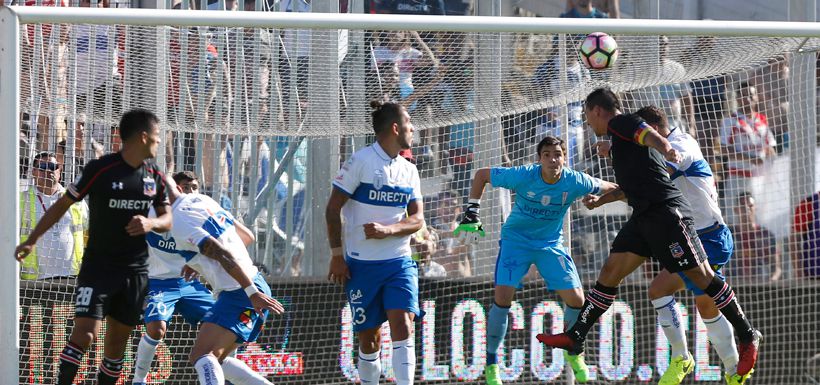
x: 470, y: 228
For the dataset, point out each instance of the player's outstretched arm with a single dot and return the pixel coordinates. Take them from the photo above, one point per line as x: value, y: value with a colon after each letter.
x: 594, y: 201
x: 51, y: 216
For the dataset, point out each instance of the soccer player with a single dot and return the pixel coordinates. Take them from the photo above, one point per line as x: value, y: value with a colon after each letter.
x: 693, y: 177
x: 242, y: 296
x: 532, y: 235
x: 379, y: 194
x: 661, y: 226
x: 113, y: 276
x: 167, y: 291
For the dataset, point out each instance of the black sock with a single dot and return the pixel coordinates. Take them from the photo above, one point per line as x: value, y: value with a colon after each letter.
x: 598, y: 300
x: 109, y: 371
x: 70, y: 360
x: 725, y: 300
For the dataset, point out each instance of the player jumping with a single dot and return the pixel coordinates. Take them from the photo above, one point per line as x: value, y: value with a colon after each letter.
x: 661, y: 226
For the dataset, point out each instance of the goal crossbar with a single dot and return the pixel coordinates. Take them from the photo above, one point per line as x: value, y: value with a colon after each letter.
x: 154, y: 17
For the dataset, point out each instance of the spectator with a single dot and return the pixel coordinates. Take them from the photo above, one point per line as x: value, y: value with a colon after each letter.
x: 747, y: 144
x: 771, y: 81
x: 451, y: 254
x: 709, y: 98
x: 424, y: 244
x: 756, y: 247
x: 584, y: 9
x: 610, y: 7
x: 102, y: 62
x: 400, y: 49
x: 462, y: 142
x: 806, y: 238
x: 59, y: 251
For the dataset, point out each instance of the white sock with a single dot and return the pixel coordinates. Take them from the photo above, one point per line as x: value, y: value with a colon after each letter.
x: 672, y: 324
x: 370, y: 367
x: 209, y: 371
x: 404, y: 361
x: 721, y: 335
x: 145, y: 356
x: 239, y: 373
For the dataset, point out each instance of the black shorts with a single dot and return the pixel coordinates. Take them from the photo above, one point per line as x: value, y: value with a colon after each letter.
x: 111, y: 291
x: 664, y: 233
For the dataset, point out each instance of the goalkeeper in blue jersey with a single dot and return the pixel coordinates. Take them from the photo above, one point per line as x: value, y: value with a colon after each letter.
x: 531, y: 235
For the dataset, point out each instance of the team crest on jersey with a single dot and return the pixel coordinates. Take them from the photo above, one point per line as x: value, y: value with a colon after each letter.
x: 676, y: 250
x: 378, y: 179
x: 246, y: 318
x: 149, y: 187
x: 545, y: 200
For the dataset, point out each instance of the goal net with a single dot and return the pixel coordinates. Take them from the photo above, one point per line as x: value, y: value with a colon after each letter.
x: 265, y: 117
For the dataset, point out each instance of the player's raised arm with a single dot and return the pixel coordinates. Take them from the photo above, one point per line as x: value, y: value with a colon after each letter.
x: 52, y: 216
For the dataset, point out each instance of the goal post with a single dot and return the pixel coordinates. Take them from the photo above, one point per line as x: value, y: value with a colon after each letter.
x: 9, y: 235
x: 264, y: 106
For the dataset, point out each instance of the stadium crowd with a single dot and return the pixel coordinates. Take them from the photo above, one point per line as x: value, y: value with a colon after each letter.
x: 740, y: 122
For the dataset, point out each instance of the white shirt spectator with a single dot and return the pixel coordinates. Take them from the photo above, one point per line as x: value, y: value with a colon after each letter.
x: 749, y: 135
x: 94, y: 69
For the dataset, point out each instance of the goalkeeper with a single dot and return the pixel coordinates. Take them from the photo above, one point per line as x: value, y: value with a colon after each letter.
x: 531, y: 235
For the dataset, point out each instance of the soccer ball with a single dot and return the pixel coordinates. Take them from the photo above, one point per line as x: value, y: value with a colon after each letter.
x: 598, y: 51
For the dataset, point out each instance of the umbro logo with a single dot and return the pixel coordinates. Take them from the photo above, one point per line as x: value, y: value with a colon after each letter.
x: 117, y: 185
x: 530, y: 194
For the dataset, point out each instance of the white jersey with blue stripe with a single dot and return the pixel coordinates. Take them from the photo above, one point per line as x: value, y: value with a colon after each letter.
x: 380, y: 188
x: 197, y: 217
x: 695, y: 179
x: 164, y: 260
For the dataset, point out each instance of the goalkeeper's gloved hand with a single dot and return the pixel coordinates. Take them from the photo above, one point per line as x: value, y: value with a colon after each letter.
x: 470, y: 228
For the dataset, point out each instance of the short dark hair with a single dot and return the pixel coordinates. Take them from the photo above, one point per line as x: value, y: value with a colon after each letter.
x: 135, y: 121
x: 551, y: 141
x: 653, y: 115
x: 43, y: 155
x: 385, y: 113
x: 184, y: 176
x: 744, y: 195
x: 604, y: 98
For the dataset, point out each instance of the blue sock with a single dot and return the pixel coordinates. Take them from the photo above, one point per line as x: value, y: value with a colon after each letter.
x: 496, y: 330
x: 570, y: 316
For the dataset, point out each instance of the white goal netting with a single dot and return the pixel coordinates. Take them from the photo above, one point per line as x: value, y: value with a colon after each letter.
x: 266, y: 116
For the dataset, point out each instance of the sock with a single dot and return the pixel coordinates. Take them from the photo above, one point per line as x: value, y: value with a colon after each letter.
x: 671, y: 323
x: 109, y: 371
x: 724, y: 298
x: 239, y: 373
x: 70, y: 360
x: 722, y: 338
x: 496, y: 330
x: 404, y: 361
x: 145, y: 355
x: 599, y: 299
x: 570, y: 316
x: 209, y: 371
x: 370, y: 368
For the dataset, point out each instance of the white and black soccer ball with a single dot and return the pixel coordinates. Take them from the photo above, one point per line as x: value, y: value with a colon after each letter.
x: 598, y: 51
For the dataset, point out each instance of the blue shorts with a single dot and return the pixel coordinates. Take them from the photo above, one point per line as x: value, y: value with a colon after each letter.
x: 377, y: 286
x: 719, y: 247
x: 553, y: 262
x: 233, y: 311
x: 190, y: 299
